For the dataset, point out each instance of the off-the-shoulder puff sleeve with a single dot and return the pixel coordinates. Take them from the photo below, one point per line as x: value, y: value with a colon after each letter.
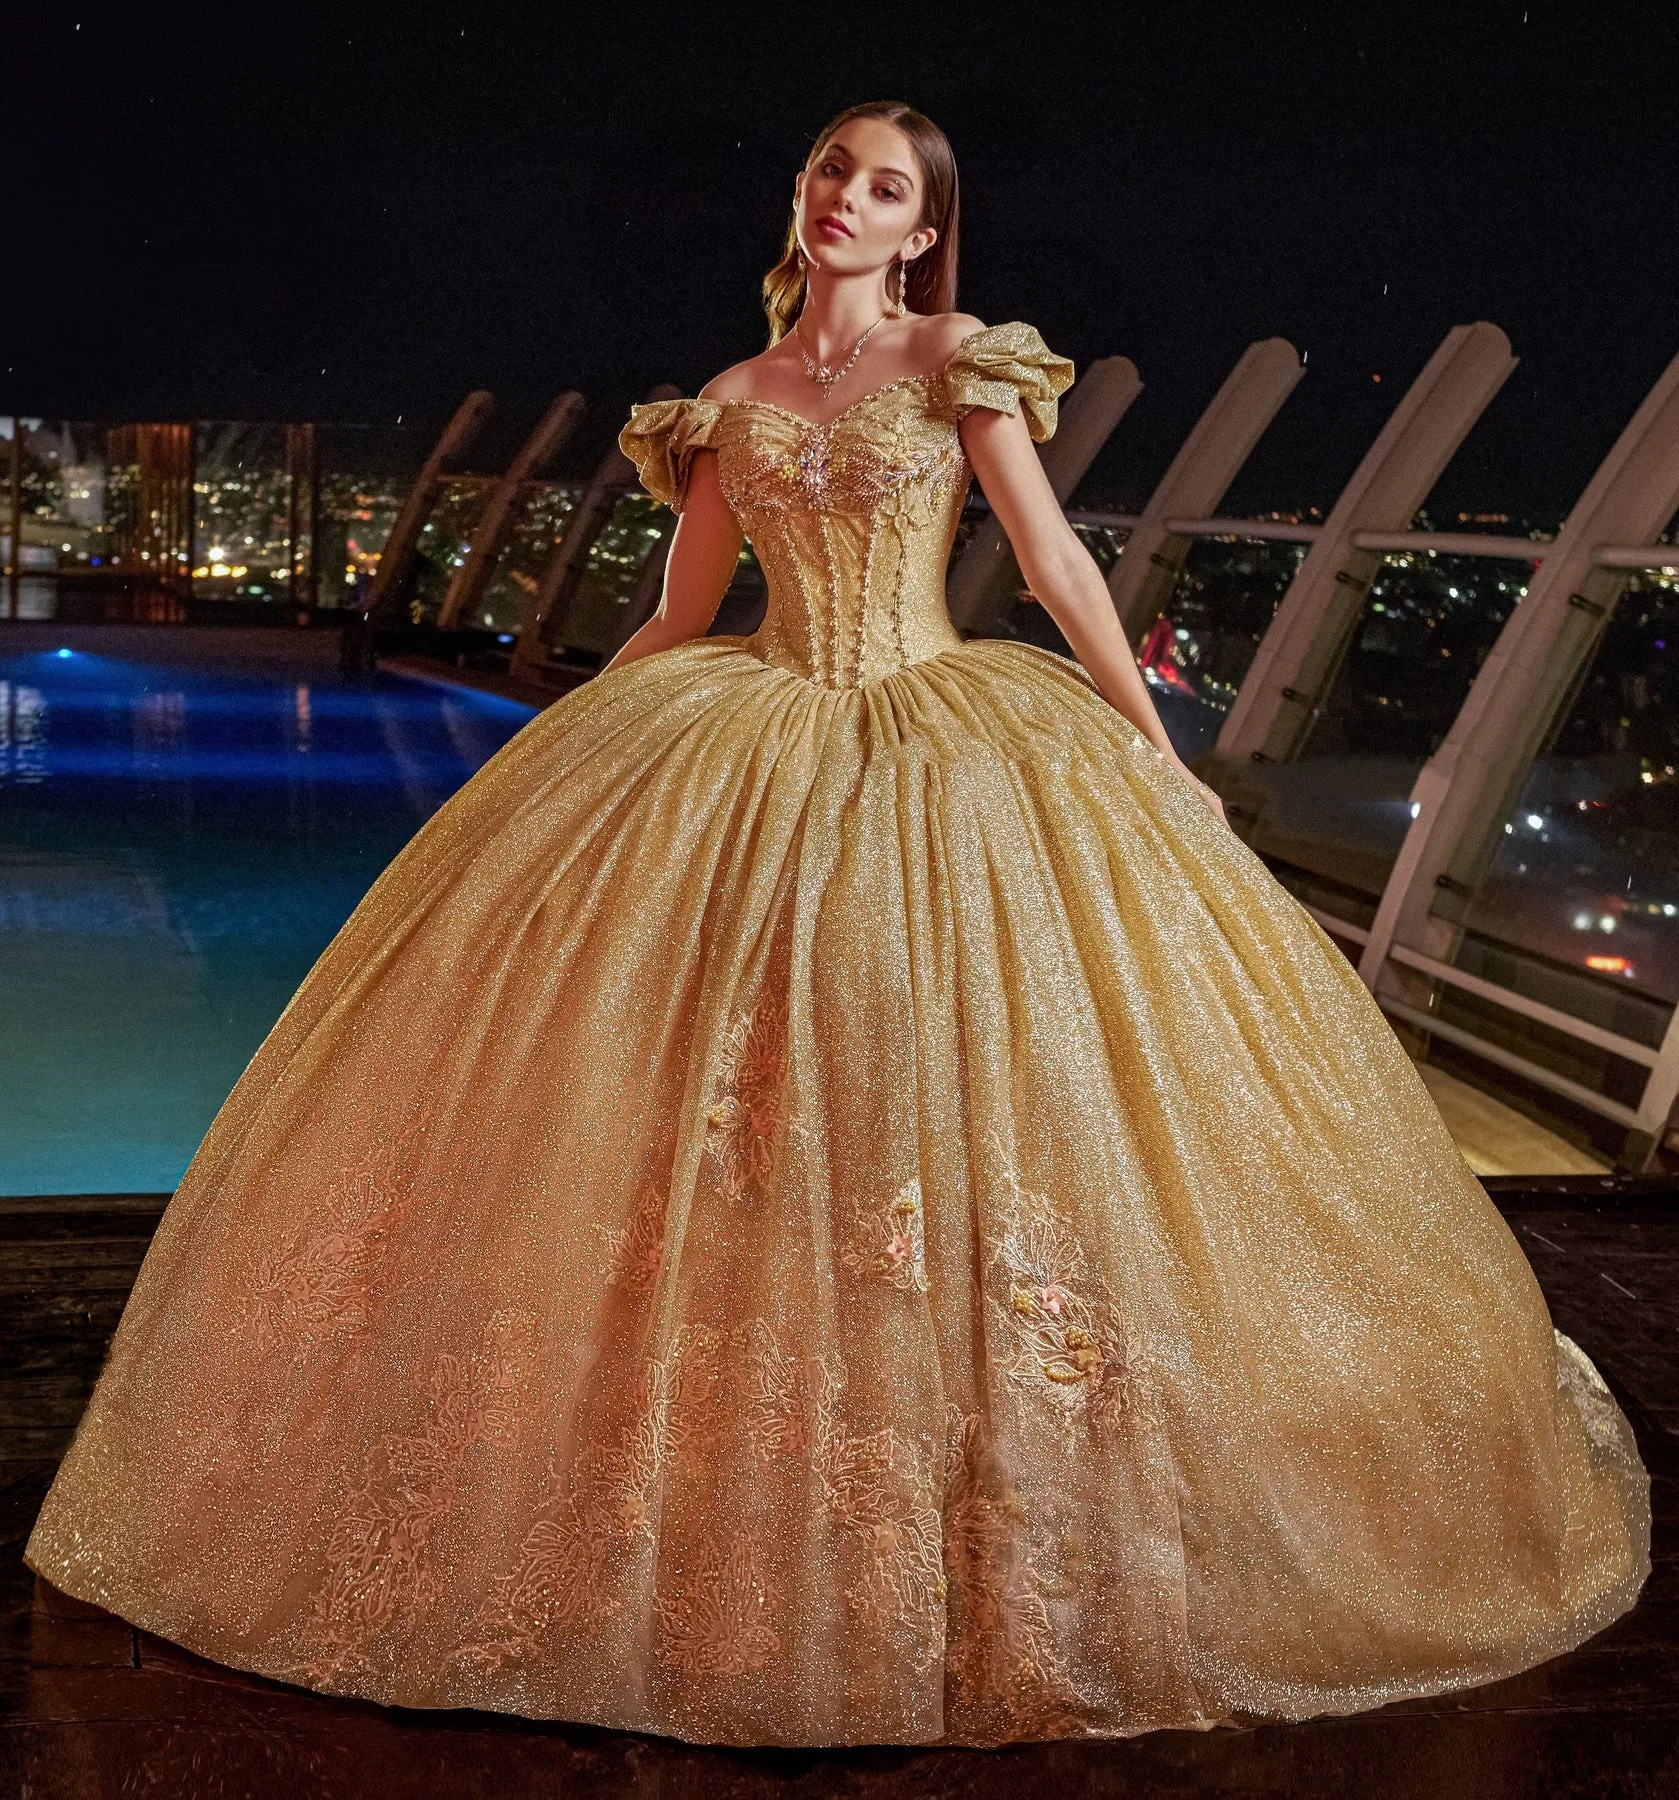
x: 1005, y: 367
x: 661, y: 438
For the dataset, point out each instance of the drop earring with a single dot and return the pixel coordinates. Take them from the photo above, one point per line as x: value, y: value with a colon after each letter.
x: 903, y: 282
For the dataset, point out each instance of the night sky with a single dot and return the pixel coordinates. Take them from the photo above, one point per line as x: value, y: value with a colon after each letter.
x: 267, y: 212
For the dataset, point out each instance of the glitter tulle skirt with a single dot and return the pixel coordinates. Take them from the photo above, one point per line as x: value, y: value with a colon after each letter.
x: 812, y: 1216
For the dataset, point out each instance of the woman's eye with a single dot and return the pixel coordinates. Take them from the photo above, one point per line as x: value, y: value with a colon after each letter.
x: 889, y: 193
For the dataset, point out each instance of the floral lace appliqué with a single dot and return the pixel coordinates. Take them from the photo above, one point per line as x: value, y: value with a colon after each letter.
x: 377, y: 1562
x: 1004, y: 1676
x: 879, y: 1488
x: 778, y: 1411
x: 718, y: 1624
x: 890, y: 1241
x: 576, y: 1557
x: 748, y: 1120
x: 591, y: 1546
x: 882, y: 1489
x: 635, y: 1253
x: 322, y: 1277
x: 1071, y: 1347
x: 592, y: 1539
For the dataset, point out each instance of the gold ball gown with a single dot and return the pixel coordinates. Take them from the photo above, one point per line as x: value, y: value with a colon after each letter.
x: 824, y: 1199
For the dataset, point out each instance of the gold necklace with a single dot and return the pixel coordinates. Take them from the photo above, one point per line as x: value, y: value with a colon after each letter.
x: 821, y: 373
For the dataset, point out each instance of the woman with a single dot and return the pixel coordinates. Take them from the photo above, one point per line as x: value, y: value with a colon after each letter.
x: 825, y: 1197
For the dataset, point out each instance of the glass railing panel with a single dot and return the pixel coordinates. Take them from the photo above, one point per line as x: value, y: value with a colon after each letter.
x: 1586, y: 876
x: 65, y: 508
x: 66, y: 527
x: 1339, y: 813
x: 1197, y: 652
x: 442, y: 544
x: 611, y: 573
x: 365, y: 476
x: 533, y: 539
x: 106, y: 517
x: 118, y: 516
x: 247, y: 512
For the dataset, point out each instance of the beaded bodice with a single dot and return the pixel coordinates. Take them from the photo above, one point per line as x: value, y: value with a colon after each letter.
x: 852, y: 519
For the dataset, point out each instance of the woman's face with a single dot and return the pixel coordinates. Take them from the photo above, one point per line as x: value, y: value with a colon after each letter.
x: 858, y: 206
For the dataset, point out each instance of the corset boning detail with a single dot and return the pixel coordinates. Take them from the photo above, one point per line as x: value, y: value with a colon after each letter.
x: 852, y: 522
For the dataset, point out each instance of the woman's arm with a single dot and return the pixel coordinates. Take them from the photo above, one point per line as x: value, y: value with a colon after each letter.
x: 704, y: 550
x: 1061, y: 573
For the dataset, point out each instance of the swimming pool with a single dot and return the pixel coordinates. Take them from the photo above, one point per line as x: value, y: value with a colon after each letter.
x: 186, y: 818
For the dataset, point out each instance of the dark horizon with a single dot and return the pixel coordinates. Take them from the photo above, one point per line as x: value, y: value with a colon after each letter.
x: 367, y: 215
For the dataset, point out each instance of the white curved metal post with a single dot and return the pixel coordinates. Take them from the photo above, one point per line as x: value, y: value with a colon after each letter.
x: 1658, y: 1111
x: 984, y: 578
x: 614, y: 474
x: 1141, y: 581
x: 1467, y: 789
x: 466, y: 589
x: 1302, y: 649
x: 398, y: 551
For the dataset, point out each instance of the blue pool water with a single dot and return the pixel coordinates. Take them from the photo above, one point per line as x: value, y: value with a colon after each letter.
x: 181, y: 833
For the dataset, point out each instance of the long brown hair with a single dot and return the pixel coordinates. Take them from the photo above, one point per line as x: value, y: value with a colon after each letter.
x: 931, y: 284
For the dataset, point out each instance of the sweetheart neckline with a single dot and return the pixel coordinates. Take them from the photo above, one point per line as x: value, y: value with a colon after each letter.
x: 873, y: 394
x: 828, y: 424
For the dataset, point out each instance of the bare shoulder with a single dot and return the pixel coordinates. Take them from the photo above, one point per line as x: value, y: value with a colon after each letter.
x: 940, y: 334
x: 737, y: 381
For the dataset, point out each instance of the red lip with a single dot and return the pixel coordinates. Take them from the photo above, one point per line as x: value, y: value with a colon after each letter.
x: 835, y: 225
